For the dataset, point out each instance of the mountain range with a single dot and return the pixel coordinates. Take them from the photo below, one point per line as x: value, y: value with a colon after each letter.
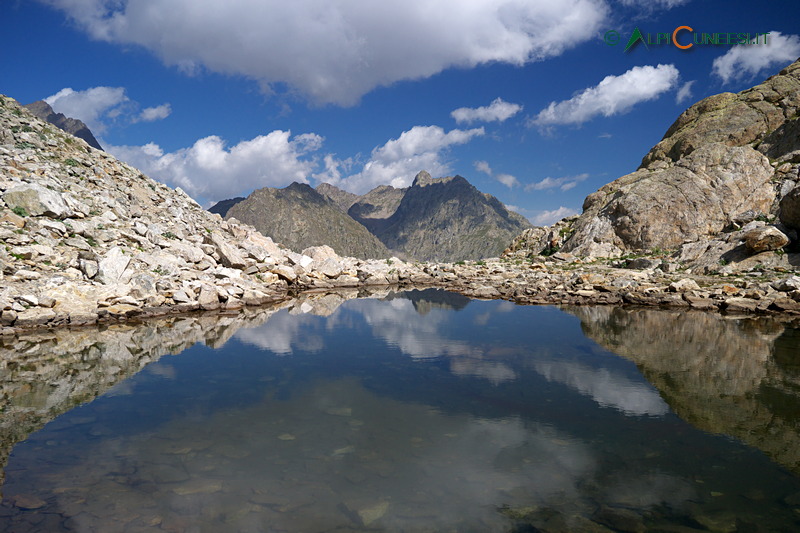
x: 445, y: 219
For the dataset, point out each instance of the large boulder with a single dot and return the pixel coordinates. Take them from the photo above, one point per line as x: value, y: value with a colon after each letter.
x: 37, y: 201
x: 765, y: 239
x: 111, y: 268
x: 689, y: 201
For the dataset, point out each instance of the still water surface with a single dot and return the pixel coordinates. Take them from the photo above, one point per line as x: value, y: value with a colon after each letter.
x: 416, y: 411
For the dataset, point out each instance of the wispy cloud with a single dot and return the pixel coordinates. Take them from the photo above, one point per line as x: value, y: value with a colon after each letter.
x: 150, y: 114
x: 564, y: 183
x: 506, y: 179
x: 747, y: 61
x: 685, y: 92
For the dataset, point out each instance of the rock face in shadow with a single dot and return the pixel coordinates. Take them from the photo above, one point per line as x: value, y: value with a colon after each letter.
x: 375, y: 208
x: 732, y: 377
x: 300, y: 217
x: 73, y: 126
x: 342, y: 199
x: 448, y: 219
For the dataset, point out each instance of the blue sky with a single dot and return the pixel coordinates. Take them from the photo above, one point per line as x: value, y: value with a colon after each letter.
x: 522, y: 97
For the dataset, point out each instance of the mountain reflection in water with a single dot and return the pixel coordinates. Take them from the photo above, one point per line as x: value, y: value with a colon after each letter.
x: 415, y: 411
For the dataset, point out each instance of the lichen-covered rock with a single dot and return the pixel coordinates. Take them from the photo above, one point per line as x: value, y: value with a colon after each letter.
x: 734, y: 119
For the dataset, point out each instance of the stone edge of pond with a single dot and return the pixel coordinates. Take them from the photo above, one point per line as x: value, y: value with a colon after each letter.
x: 526, y: 284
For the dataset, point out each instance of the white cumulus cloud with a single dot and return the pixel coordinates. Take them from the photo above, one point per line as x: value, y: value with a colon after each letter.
x: 93, y: 106
x: 150, y: 114
x: 210, y: 171
x: 612, y: 96
x: 498, y: 111
x: 546, y: 218
x: 746, y: 61
x: 399, y: 160
x: 335, y: 51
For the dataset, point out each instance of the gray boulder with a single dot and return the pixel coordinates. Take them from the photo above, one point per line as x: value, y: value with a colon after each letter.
x: 229, y: 254
x: 37, y: 201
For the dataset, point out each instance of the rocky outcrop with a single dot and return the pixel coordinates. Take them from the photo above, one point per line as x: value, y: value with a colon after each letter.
x: 696, y: 198
x: 299, y: 217
x: 448, y: 219
x: 72, y: 126
x: 728, y: 160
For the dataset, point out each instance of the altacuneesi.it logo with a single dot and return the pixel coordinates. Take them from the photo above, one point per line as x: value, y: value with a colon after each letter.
x: 684, y: 37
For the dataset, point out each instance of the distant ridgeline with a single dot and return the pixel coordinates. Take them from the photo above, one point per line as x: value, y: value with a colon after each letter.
x: 71, y: 125
x: 444, y: 219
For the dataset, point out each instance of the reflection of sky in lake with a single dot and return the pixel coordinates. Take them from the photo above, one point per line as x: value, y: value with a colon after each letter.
x: 606, y: 387
x: 426, y: 335
x: 418, y: 412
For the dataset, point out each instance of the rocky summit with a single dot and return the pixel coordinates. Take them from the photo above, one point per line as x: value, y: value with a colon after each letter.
x: 718, y: 193
x: 299, y: 217
x: 222, y: 208
x: 448, y: 219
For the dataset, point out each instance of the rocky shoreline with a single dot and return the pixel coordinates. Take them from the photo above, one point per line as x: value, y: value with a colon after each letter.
x: 550, y: 282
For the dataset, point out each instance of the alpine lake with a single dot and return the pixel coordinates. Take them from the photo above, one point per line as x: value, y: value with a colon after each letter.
x: 406, y: 411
